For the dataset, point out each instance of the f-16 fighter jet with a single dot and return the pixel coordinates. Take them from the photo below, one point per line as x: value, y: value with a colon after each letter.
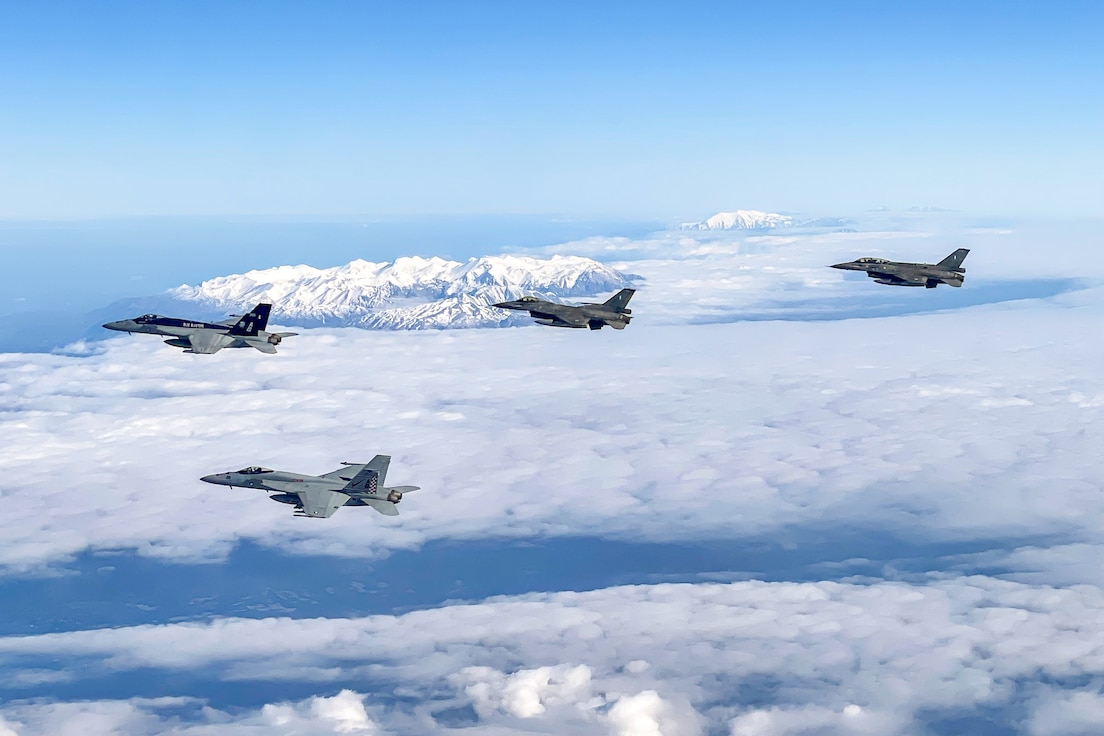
x: 247, y: 331
x: 895, y: 273
x: 319, y: 496
x: 595, y: 316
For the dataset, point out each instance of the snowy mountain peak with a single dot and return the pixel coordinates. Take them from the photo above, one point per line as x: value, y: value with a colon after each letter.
x: 741, y: 220
x: 410, y: 293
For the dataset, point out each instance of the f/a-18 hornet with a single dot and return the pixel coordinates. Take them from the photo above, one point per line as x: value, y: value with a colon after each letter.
x: 613, y: 312
x: 896, y: 273
x: 246, y: 331
x: 319, y: 496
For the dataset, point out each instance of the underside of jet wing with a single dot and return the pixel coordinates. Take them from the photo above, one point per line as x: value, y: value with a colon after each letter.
x: 320, y: 504
x: 207, y: 342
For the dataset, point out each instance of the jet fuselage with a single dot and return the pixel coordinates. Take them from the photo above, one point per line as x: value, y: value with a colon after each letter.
x: 274, y: 480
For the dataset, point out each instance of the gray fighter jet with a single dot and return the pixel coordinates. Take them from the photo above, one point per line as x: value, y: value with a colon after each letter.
x: 319, y: 496
x: 246, y: 331
x: 896, y: 273
x: 613, y: 312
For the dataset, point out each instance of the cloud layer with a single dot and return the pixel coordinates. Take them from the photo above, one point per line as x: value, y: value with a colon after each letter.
x: 764, y: 658
x: 983, y: 423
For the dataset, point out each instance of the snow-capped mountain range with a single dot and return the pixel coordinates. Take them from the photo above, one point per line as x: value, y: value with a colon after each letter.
x: 410, y: 293
x: 758, y: 220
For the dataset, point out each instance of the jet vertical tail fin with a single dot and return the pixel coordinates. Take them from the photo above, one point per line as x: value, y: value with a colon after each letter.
x: 953, y: 262
x: 620, y: 300
x: 254, y: 321
x: 380, y: 463
x: 371, y: 477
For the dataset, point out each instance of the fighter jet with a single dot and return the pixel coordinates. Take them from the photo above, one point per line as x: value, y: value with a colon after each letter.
x: 895, y: 273
x: 613, y: 312
x: 246, y: 331
x: 319, y: 496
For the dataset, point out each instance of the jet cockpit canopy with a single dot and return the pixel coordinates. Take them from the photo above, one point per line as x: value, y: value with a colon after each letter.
x: 255, y: 470
x: 872, y: 260
x: 528, y: 299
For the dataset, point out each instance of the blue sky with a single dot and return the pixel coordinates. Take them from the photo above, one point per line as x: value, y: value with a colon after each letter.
x: 663, y: 111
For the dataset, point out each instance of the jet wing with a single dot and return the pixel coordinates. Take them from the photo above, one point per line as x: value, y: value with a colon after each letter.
x: 560, y: 319
x: 319, y: 504
x: 206, y: 341
x: 897, y: 279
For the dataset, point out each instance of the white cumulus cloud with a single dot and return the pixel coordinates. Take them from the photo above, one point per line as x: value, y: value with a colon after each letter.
x: 647, y: 714
x: 850, y: 720
x: 343, y: 713
x: 525, y: 693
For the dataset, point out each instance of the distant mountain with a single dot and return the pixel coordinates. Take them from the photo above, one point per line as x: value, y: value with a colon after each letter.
x: 741, y: 220
x: 760, y: 221
x: 411, y: 293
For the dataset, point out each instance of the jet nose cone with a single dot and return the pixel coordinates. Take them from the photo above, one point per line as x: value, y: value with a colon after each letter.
x: 504, y: 305
x: 115, y: 326
x: 217, y: 478
x: 844, y: 266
